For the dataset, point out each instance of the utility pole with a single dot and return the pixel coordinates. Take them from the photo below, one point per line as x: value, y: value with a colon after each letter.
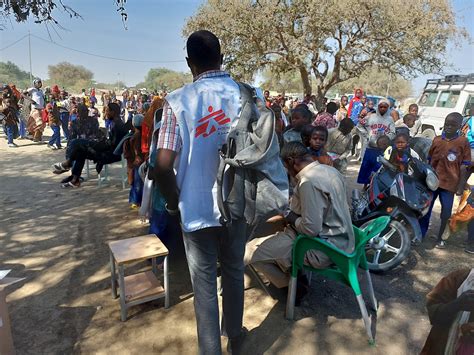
x: 29, y: 50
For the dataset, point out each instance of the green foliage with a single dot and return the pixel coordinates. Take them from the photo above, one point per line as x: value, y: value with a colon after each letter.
x: 69, y: 76
x: 165, y: 79
x: 328, y: 42
x: 282, y: 82
x: 377, y: 81
x: 11, y: 73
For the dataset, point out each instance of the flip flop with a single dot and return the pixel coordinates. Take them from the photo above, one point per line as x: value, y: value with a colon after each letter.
x: 59, y: 168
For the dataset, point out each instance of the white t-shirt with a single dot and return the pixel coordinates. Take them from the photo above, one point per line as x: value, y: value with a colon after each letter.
x: 38, y: 98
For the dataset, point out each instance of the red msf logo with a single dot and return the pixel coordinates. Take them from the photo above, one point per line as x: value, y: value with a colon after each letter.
x: 209, y: 124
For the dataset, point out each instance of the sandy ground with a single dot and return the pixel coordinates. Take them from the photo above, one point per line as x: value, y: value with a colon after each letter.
x: 56, y: 239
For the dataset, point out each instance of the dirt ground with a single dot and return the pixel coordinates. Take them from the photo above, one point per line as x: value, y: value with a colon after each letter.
x: 56, y: 239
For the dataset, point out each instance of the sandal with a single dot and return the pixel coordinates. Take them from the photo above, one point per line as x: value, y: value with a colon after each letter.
x: 59, y: 168
x: 69, y: 184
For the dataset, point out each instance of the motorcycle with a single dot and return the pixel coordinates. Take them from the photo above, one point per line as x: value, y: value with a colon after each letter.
x: 405, y: 197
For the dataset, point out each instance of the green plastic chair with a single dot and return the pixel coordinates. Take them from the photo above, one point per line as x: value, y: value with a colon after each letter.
x: 345, y: 268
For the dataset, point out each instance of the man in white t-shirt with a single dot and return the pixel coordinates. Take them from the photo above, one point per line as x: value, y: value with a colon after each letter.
x: 196, y: 121
x: 35, y: 122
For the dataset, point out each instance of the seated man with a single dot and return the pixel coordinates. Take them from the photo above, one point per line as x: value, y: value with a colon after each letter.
x: 317, y: 208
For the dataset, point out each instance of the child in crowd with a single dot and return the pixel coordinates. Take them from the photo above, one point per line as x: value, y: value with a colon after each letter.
x: 300, y: 116
x: 408, y: 122
x: 400, y: 154
x: 55, y: 124
x: 10, y: 122
x: 327, y: 119
x: 450, y: 155
x: 369, y: 163
x: 340, y: 143
x: 133, y: 153
x: 315, y: 144
x: 415, y: 131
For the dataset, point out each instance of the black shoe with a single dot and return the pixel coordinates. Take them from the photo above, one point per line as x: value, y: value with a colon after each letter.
x: 98, y: 167
x: 469, y: 248
x: 235, y: 345
x: 66, y: 180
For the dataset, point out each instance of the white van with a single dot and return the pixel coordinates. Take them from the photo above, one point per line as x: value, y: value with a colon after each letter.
x: 453, y: 93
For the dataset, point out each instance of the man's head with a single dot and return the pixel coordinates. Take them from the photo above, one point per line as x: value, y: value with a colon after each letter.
x: 413, y: 109
x: 319, y: 137
x: 383, y: 142
x: 204, y: 52
x: 383, y: 106
x: 331, y: 108
x: 363, y: 99
x: 295, y: 157
x: 452, y: 124
x: 82, y: 111
x: 346, y: 126
x: 112, y: 111
x: 300, y: 116
x: 409, y: 120
x: 37, y: 83
x: 344, y: 100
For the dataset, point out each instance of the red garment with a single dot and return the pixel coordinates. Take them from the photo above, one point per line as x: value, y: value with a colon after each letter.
x: 354, y: 99
x: 148, y: 124
x: 55, y: 89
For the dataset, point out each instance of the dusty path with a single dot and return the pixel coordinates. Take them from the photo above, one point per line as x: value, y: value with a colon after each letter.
x: 56, y: 240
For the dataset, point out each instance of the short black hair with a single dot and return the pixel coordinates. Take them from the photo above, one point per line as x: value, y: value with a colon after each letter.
x: 412, y: 105
x: 403, y: 134
x: 115, y: 108
x: 456, y: 116
x: 331, y: 108
x: 204, y: 49
x: 304, y: 111
x: 409, y: 116
x: 307, y: 131
x: 293, y: 150
x: 321, y: 129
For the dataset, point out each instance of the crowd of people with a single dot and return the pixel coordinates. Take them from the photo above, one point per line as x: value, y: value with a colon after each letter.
x: 171, y: 144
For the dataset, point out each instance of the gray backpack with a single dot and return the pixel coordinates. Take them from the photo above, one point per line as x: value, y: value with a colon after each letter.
x: 252, y: 182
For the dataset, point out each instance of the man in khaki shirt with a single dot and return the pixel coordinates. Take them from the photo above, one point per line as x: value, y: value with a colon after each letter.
x: 318, y: 208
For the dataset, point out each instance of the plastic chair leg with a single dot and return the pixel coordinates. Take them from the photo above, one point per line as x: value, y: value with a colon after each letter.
x: 373, y: 300
x: 290, y: 302
x: 365, y: 318
x: 123, y: 172
x: 87, y: 169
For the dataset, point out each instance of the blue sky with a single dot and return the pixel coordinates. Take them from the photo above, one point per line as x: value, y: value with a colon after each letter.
x: 154, y: 33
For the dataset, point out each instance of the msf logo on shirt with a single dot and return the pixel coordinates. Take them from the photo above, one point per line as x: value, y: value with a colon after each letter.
x: 210, y: 123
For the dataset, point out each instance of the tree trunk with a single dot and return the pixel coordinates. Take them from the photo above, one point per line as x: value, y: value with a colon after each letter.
x: 305, y: 80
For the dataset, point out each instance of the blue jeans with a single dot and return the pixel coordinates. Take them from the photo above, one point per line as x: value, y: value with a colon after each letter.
x: 203, y: 249
x: 446, y: 198
x: 64, y: 117
x: 56, y: 138
x: 136, y: 190
x: 470, y: 232
x: 9, y: 130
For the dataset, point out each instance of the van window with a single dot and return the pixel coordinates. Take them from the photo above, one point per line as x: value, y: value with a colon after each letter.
x: 428, y: 98
x: 469, y: 102
x: 448, y: 99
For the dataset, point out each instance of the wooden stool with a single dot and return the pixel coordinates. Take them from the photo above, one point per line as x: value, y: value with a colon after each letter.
x: 144, y: 286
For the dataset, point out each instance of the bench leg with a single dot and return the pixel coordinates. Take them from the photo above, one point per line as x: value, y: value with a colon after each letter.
x: 166, y: 282
x: 123, y: 306
x: 113, y: 275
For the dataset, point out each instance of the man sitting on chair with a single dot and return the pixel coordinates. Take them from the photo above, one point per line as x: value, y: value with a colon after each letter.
x: 318, y: 208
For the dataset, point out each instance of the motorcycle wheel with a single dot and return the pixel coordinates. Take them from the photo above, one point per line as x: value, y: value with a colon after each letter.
x: 387, y: 251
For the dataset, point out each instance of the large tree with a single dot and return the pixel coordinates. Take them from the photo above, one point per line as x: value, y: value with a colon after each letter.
x: 11, y: 73
x: 165, y: 79
x: 45, y: 11
x: 70, y: 76
x: 329, y: 41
